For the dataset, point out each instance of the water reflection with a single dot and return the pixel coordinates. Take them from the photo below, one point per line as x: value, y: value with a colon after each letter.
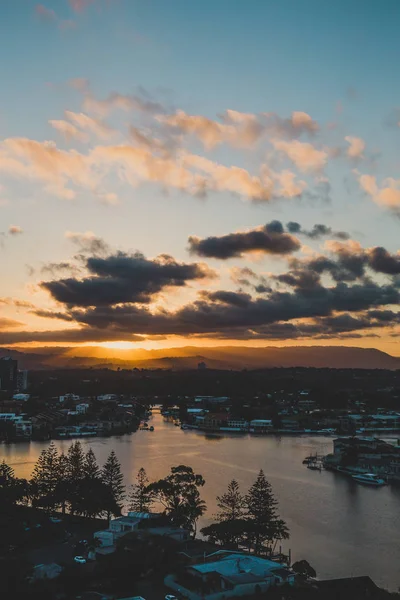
x: 341, y: 527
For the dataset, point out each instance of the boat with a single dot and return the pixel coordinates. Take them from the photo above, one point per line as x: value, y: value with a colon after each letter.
x: 314, y: 467
x: 369, y: 479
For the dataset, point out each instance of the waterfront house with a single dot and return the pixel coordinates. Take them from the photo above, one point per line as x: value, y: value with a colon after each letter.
x: 368, y: 454
x: 260, y: 425
x: 213, y: 421
x: 227, y: 575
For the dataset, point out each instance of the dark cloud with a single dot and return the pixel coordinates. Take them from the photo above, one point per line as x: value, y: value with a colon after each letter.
x: 349, y: 263
x: 231, y: 298
x: 85, y: 334
x: 381, y: 261
x: 271, y: 239
x: 223, y: 312
x: 122, y: 278
x: 319, y: 230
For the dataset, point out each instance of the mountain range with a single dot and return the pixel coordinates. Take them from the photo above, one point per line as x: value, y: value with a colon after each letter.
x: 218, y: 357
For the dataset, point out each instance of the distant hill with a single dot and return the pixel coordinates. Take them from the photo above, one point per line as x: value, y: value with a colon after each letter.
x: 220, y: 357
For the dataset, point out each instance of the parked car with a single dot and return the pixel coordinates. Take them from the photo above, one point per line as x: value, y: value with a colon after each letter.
x: 80, y: 560
x: 55, y: 520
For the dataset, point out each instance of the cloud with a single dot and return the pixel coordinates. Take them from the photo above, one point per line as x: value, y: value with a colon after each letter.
x: 85, y: 334
x: 124, y: 278
x: 356, y: 147
x: 88, y: 242
x: 80, y: 125
x: 387, y: 196
x: 15, y: 230
x: 349, y: 261
x: 238, y: 129
x: 16, y: 302
x: 9, y: 323
x: 116, y: 101
x: 270, y: 239
x: 224, y: 313
x: 319, y: 230
x: 80, y: 5
x: 22, y: 157
x: 303, y: 154
x: 48, y: 15
x: 69, y: 131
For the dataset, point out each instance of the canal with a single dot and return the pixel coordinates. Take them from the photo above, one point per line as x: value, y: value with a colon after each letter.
x: 342, y: 528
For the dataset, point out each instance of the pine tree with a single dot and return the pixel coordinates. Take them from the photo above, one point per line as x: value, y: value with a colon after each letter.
x: 113, y: 479
x: 140, y: 497
x: 62, y: 487
x: 75, y: 475
x: 230, y: 525
x: 231, y: 504
x: 90, y: 468
x: 264, y: 525
x: 92, y: 490
x: 46, y: 477
x: 11, y: 488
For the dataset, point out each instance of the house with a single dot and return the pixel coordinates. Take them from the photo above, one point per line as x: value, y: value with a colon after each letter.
x: 69, y: 397
x: 238, y: 424
x: 227, y: 575
x: 23, y: 428
x: 124, y: 524
x: 260, y: 425
x: 142, y: 524
x: 214, y: 421
x: 21, y: 397
x: 108, y: 398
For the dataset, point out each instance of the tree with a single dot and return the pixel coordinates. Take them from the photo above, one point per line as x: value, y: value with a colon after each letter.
x: 12, y: 489
x: 304, y: 569
x: 179, y: 494
x: 113, y: 479
x: 264, y: 527
x: 62, y: 486
x: 75, y: 476
x: 141, y: 497
x: 45, y: 478
x: 230, y: 524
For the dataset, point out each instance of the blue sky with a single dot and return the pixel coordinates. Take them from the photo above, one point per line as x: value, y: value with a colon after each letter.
x: 333, y: 61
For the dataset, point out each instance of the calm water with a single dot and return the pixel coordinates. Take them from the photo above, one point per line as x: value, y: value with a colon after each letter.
x: 340, y: 527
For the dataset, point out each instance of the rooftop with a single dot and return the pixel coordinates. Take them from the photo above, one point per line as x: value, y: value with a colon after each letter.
x: 237, y: 565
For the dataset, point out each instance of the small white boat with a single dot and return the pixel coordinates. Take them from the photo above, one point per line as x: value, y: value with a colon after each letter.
x: 369, y: 479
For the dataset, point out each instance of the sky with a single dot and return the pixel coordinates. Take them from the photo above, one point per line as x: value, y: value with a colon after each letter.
x: 209, y: 172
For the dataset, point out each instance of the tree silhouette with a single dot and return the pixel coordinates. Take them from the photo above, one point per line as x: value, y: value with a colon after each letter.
x: 179, y: 494
x: 230, y: 524
x: 141, y: 498
x: 265, y: 527
x: 113, y: 479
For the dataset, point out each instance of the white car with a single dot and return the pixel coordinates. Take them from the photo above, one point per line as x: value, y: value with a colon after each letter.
x: 80, y: 560
x: 170, y: 597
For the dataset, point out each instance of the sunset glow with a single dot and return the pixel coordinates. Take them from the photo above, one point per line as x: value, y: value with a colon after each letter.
x: 251, y: 201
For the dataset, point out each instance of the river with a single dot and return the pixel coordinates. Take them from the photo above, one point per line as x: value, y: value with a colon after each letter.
x: 342, y: 528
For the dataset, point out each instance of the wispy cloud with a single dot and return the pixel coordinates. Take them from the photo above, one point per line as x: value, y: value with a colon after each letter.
x: 48, y: 15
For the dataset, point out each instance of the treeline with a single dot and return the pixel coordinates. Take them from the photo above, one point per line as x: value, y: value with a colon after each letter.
x: 74, y: 483
x: 71, y: 482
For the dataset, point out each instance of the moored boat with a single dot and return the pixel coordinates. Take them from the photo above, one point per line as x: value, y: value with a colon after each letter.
x: 369, y: 479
